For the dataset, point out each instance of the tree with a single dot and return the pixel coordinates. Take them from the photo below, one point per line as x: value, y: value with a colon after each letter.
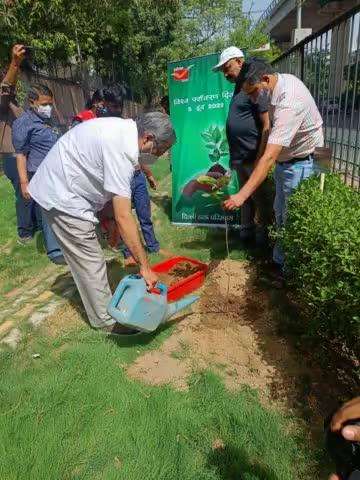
x: 145, y: 52
x: 126, y: 41
x: 61, y: 29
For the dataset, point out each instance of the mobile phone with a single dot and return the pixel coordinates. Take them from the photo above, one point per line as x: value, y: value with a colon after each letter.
x: 29, y: 50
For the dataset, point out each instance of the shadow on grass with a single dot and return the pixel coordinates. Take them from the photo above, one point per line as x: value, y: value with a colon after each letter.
x: 232, y: 463
x: 64, y: 283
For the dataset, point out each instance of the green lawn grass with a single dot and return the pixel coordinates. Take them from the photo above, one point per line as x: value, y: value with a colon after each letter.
x: 72, y: 413
x: 18, y: 263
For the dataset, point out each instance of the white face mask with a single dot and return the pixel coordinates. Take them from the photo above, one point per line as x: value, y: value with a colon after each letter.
x: 147, y: 158
x: 44, y: 111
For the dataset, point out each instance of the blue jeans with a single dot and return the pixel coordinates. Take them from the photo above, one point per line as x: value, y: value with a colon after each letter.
x: 287, y: 178
x: 141, y: 201
x: 28, y: 217
x: 51, y: 245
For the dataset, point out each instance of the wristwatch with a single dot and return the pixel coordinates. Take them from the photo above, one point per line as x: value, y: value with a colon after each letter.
x: 6, y: 89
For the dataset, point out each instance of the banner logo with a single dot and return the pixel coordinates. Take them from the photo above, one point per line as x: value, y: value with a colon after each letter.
x: 181, y: 74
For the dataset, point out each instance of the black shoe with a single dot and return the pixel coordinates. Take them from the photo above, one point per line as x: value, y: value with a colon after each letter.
x: 60, y: 260
x: 117, y: 329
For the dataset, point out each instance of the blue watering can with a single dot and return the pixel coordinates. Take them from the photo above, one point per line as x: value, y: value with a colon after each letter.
x: 134, y: 306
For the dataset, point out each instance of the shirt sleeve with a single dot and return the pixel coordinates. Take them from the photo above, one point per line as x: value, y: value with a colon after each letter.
x: 263, y: 103
x: 21, y: 136
x: 286, y: 123
x: 118, y: 170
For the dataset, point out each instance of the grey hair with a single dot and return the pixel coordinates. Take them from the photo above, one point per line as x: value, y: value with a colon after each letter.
x: 159, y: 125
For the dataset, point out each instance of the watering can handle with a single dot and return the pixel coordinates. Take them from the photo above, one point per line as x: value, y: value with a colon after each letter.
x: 112, y: 306
x: 160, y: 289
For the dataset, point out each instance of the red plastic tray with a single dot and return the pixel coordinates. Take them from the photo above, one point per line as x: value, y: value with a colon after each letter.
x: 186, y: 285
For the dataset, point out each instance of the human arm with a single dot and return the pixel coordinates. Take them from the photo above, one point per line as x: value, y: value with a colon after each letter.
x: 149, y: 176
x: 265, y: 130
x: 129, y: 233
x: 349, y: 411
x: 262, y: 112
x: 21, y: 133
x: 7, y: 85
x: 118, y: 174
x: 17, y: 56
x: 257, y: 177
x: 22, y: 171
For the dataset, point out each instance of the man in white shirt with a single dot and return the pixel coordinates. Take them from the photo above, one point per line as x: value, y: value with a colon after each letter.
x: 88, y: 166
x: 295, y: 134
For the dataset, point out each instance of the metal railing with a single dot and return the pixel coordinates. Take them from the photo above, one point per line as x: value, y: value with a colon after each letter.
x: 328, y: 62
x: 269, y: 11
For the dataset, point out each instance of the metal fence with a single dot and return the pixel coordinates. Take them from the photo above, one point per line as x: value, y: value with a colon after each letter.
x: 328, y: 63
x: 273, y: 5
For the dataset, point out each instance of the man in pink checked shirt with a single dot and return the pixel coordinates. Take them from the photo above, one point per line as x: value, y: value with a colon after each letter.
x: 295, y: 134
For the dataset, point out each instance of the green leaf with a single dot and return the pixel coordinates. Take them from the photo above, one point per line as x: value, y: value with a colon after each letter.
x: 205, y: 180
x: 214, y: 157
x: 206, y: 136
x: 216, y: 134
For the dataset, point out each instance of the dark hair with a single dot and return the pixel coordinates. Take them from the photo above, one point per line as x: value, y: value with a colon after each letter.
x: 38, y: 89
x: 114, y: 96
x: 164, y: 102
x: 252, y: 72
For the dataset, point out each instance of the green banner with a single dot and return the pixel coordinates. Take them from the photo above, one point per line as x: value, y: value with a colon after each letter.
x: 199, y: 102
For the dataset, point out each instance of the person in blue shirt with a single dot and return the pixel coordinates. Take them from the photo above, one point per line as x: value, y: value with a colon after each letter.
x: 33, y: 136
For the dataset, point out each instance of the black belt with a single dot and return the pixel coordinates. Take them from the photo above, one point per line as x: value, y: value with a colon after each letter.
x: 298, y: 159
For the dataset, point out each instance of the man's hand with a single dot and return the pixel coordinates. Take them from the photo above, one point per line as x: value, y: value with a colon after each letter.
x: 152, y: 182
x: 349, y: 411
x: 24, y: 190
x: 149, y: 276
x: 18, y: 54
x: 129, y: 233
x: 233, y: 202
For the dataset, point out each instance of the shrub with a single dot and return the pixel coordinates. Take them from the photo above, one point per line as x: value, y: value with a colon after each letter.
x: 322, y: 245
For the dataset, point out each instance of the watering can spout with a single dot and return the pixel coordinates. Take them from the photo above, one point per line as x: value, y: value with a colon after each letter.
x: 175, y: 307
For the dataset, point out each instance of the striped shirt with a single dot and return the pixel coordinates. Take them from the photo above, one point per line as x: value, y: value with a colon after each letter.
x: 296, y: 120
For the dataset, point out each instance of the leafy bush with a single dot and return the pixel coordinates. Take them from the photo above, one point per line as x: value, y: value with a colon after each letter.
x: 322, y: 245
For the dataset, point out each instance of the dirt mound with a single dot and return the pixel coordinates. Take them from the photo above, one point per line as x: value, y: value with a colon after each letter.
x: 216, y: 335
x: 178, y: 272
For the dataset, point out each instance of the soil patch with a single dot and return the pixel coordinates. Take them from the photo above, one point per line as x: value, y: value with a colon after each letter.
x: 178, y: 272
x: 215, y: 335
x: 235, y: 330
